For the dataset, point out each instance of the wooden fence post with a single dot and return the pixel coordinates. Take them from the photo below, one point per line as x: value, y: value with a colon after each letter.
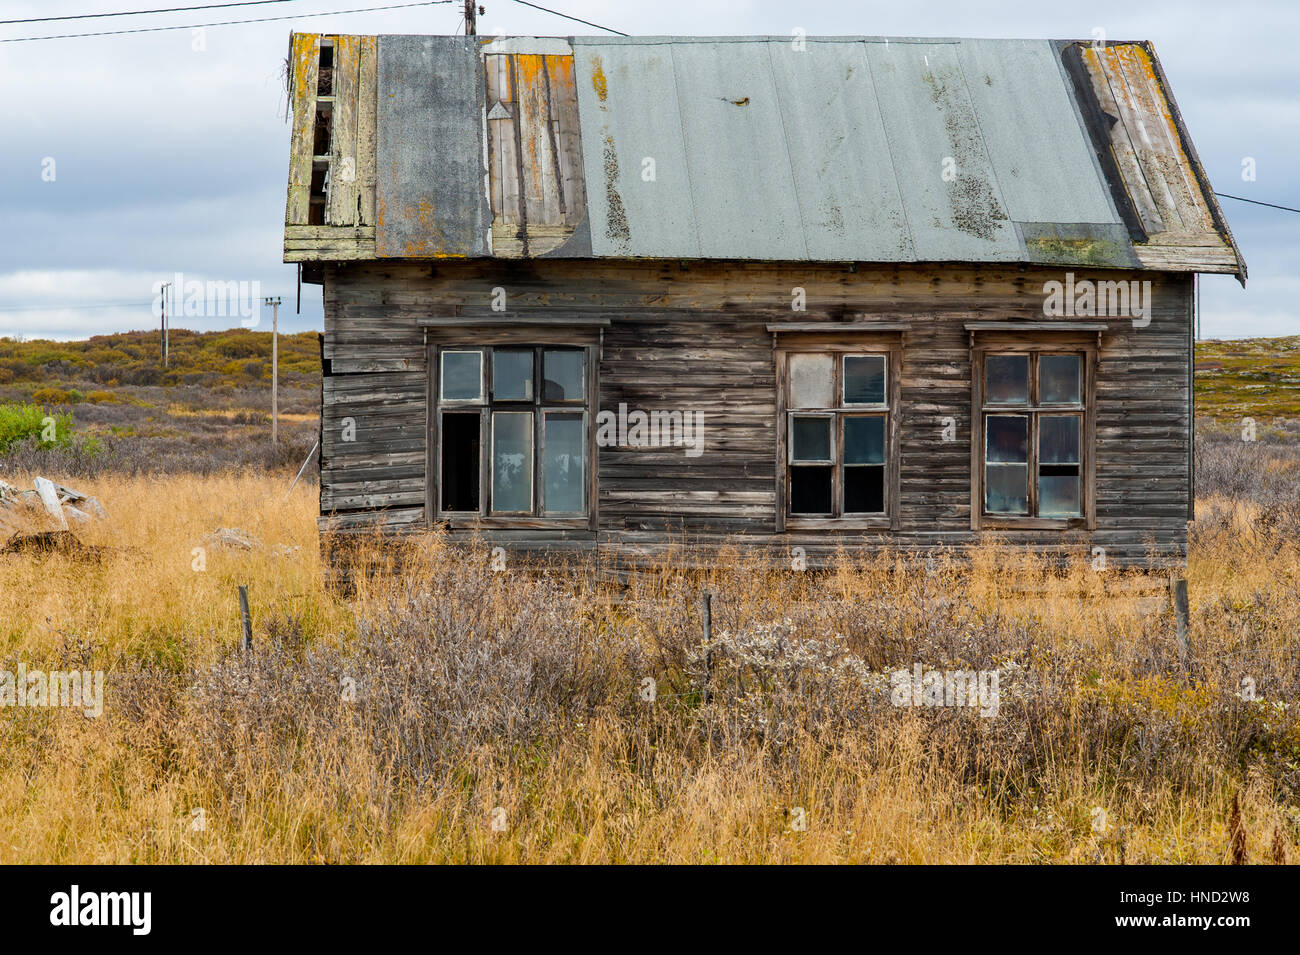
x: 706, y: 613
x: 246, y: 618
x: 1178, y: 592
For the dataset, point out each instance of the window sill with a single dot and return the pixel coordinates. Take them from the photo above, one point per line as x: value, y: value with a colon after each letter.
x: 465, y: 522
x: 881, y: 523
x: 989, y: 522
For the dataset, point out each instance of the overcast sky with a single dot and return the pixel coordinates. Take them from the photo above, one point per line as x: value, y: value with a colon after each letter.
x: 170, y: 149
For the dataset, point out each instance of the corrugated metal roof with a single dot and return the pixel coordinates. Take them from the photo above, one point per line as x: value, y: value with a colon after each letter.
x: 865, y: 149
x: 851, y: 148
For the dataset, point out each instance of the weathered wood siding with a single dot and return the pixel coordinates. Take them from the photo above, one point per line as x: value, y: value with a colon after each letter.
x: 694, y: 337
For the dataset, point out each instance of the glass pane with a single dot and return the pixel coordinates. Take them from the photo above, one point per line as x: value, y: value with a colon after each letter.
x: 810, y: 490
x: 1058, y: 496
x: 864, y: 379
x: 810, y: 438
x: 1058, y: 439
x: 1006, y: 438
x: 1059, y: 379
x: 1006, y: 379
x: 512, y: 375
x: 1006, y: 489
x: 563, y: 374
x: 512, y: 461
x: 812, y: 381
x: 462, y: 376
x: 864, y: 440
x: 864, y: 490
x: 562, y: 464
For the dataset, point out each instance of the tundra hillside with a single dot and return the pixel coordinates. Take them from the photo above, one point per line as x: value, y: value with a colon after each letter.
x: 457, y: 713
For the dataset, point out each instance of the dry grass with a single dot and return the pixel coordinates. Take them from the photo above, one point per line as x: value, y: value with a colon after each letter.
x: 522, y: 692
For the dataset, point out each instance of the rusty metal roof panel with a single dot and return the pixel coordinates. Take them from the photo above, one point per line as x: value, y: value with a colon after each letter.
x: 629, y: 112
x: 430, y: 165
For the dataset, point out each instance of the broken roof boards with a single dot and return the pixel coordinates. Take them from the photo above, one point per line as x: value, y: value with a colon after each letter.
x: 755, y: 148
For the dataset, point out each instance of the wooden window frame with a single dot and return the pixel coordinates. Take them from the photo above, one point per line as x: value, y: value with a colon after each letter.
x: 824, y: 340
x: 1035, y: 344
x: 514, y: 339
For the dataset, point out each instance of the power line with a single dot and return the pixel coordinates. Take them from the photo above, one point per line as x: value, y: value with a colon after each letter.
x: 226, y: 23
x: 1256, y: 202
x: 137, y: 13
x: 60, y: 308
x: 567, y: 17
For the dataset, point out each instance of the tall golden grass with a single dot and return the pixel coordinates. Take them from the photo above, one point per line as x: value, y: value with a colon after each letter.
x: 450, y: 713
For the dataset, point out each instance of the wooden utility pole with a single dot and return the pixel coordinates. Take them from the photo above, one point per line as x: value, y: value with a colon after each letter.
x: 275, y: 368
x: 162, y: 293
x: 471, y: 27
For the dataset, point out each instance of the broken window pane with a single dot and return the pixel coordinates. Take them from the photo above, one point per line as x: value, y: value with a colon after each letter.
x: 1006, y: 379
x: 462, y: 376
x: 1059, y: 379
x: 562, y: 466
x: 864, y: 490
x: 864, y: 379
x: 864, y: 440
x: 460, y: 461
x: 512, y: 375
x: 512, y: 461
x: 810, y: 490
x: 563, y: 375
x: 1006, y: 438
x: 1059, y: 463
x: 812, y: 382
x: 810, y: 438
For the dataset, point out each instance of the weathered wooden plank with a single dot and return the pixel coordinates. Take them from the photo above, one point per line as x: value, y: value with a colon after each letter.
x: 341, y: 208
x: 304, y: 56
x: 368, y: 61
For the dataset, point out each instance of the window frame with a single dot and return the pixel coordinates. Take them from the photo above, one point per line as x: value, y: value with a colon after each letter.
x: 487, y: 407
x: 885, y: 343
x: 1035, y: 346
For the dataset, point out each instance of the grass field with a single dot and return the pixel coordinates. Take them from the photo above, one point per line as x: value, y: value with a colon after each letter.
x: 402, y: 723
x: 454, y: 713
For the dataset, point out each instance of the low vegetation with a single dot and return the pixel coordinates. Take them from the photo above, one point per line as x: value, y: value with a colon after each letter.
x: 451, y: 712
x: 207, y: 411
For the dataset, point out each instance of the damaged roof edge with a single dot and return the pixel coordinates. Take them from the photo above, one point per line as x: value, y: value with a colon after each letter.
x: 1185, y: 140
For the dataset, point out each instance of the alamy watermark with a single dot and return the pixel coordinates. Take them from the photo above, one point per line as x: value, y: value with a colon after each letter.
x: 1086, y: 299
x: 73, y: 689
x: 211, y: 299
x: 651, y: 429
x: 924, y: 687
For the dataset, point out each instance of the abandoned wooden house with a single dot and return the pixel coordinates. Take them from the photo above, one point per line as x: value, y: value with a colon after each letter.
x: 631, y: 294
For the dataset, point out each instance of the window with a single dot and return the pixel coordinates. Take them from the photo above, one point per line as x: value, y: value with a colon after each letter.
x: 838, y: 435
x: 1033, y: 417
x: 512, y: 431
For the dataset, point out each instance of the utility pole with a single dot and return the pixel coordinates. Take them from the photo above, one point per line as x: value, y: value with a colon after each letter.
x: 275, y: 367
x: 162, y: 295
x: 471, y: 28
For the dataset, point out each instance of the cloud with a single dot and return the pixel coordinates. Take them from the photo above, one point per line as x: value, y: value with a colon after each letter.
x: 171, y: 158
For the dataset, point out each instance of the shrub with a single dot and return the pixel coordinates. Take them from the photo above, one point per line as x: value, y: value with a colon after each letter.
x: 19, y: 422
x: 58, y: 396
